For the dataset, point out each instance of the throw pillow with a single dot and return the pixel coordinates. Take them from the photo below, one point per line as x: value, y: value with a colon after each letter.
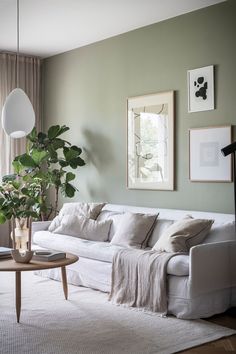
x: 133, y: 230
x: 87, y: 210
x: 183, y: 235
x: 54, y: 224
x: 160, y: 226
x: 84, y: 228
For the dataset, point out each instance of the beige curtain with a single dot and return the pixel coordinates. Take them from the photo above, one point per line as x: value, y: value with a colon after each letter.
x: 30, y: 82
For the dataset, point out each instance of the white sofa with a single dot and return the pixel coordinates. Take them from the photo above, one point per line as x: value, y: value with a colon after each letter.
x: 200, y: 284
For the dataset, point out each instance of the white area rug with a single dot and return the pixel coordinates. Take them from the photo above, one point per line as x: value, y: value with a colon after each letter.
x: 88, y: 323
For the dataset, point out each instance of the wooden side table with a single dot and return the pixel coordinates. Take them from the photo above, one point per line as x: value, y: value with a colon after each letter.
x: 9, y: 265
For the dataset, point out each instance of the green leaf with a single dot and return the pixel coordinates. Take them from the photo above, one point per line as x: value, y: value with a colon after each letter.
x: 52, y: 152
x: 9, y: 178
x: 32, y: 136
x: 72, y: 152
x: 63, y: 129
x: 74, y: 163
x: 63, y: 163
x: 58, y: 144
x: 43, y: 208
x: 70, y: 176
x: 39, y: 156
x: 41, y: 137
x: 18, y: 167
x: 16, y: 184
x: 69, y: 190
x: 30, y: 202
x: 56, y: 130
x: 25, y: 191
x: 53, y: 131
x: 80, y: 161
x: 26, y: 178
x: 40, y: 175
x: 2, y: 218
x: 1, y: 201
x: 27, y: 161
x: 76, y: 148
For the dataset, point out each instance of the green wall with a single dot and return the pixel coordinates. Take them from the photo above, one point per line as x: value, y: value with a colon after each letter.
x: 87, y: 89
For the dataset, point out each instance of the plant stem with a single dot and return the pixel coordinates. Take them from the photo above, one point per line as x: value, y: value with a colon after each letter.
x: 13, y: 232
x: 30, y: 233
x: 56, y: 200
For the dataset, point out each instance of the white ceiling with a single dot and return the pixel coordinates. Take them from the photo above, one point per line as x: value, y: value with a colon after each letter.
x: 49, y: 27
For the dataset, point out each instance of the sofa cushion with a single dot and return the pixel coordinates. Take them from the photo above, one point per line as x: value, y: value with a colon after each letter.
x: 178, y: 265
x: 134, y: 230
x: 88, y: 210
x: 221, y: 231
x: 78, y: 226
x: 116, y: 218
x: 160, y: 226
x: 183, y: 235
x: 101, y: 251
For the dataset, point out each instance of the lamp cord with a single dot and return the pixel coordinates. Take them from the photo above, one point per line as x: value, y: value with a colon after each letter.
x: 234, y: 173
x: 18, y: 43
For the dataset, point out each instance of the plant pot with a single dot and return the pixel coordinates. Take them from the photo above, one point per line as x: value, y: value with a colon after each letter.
x: 22, y: 257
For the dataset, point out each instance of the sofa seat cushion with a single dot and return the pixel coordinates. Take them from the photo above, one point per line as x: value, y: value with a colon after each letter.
x: 101, y: 251
x: 178, y: 265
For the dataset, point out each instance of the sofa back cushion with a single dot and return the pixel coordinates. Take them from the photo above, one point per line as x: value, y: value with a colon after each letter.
x: 222, y: 221
x: 87, y: 210
x: 221, y: 231
x: 133, y: 230
x: 183, y: 234
x: 160, y: 226
x: 116, y: 218
x: 78, y: 226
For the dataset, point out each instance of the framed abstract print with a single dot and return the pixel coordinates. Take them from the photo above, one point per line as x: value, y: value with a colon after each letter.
x: 201, y: 89
x: 206, y: 162
x: 150, y: 141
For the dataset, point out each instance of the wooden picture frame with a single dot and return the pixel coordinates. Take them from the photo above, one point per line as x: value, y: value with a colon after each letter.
x: 150, y: 141
x: 206, y: 162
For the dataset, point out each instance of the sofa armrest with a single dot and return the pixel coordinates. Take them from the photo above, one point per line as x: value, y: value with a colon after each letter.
x: 40, y: 226
x: 212, y: 267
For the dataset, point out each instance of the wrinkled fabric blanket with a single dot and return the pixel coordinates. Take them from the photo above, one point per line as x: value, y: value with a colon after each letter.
x: 139, y: 279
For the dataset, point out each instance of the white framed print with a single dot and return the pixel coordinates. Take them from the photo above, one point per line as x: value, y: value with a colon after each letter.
x: 206, y: 162
x: 150, y: 141
x: 201, y: 89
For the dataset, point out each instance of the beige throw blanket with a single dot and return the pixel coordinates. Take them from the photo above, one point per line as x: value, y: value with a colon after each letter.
x: 139, y: 279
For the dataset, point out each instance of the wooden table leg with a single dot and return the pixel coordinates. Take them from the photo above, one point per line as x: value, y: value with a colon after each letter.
x: 18, y: 295
x: 64, y: 281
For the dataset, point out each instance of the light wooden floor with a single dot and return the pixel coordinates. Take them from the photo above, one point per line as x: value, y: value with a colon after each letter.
x: 221, y: 346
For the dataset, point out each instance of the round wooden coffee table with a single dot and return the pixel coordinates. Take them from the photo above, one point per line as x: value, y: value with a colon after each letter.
x: 9, y: 265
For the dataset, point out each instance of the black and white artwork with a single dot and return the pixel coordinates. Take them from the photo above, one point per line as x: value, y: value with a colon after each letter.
x: 206, y: 162
x: 201, y: 89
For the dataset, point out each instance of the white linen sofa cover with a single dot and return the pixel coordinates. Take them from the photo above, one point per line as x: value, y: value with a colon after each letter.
x: 200, y: 284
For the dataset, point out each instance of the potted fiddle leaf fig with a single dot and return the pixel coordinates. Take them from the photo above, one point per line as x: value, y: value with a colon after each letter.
x: 47, y: 165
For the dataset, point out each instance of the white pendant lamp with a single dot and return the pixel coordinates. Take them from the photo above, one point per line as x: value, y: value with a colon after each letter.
x: 18, y: 117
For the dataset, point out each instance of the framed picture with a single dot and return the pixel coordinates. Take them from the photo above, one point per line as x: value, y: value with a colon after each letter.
x: 201, y: 89
x: 150, y: 141
x: 206, y: 162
